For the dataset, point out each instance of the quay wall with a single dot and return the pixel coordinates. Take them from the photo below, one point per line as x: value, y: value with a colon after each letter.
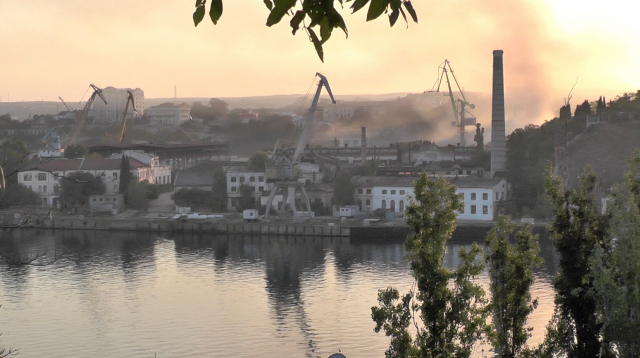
x: 464, y: 232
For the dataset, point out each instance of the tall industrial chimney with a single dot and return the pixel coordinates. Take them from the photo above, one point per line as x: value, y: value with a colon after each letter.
x: 498, y: 141
x: 363, y: 147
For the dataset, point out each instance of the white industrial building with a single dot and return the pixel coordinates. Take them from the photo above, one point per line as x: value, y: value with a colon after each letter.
x: 169, y: 114
x: 392, y: 193
x: 44, y: 178
x: 113, y: 111
x: 254, y: 179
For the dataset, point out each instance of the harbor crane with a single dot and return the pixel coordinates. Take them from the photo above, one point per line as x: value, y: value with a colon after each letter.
x: 284, y: 172
x: 124, y: 117
x: 82, y: 116
x: 460, y: 114
x: 71, y: 110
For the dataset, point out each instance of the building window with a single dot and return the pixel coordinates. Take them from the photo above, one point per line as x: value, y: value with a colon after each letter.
x: 26, y: 177
x: 393, y: 206
x: 360, y: 191
x: 401, y: 206
x: 42, y: 176
x: 30, y: 187
x: 115, y: 186
x: 115, y: 176
x: 461, y: 209
x: 44, y: 189
x: 485, y: 209
x: 242, y: 179
x: 468, y: 172
x: 384, y: 204
x: 261, y: 189
x: 485, y: 196
x: 368, y: 191
x: 393, y: 192
x: 473, y: 196
x: 368, y: 202
x: 401, y: 193
x: 233, y: 179
x: 360, y: 204
x: 234, y: 189
x: 473, y: 209
x: 56, y: 189
x: 460, y: 172
x: 384, y: 191
x: 252, y: 179
x: 497, y: 196
x: 260, y: 178
x: 39, y: 188
x: 461, y: 195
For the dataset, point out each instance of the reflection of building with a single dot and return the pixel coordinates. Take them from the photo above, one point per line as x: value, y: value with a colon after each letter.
x: 169, y: 114
x: 392, y: 193
x: 113, y: 111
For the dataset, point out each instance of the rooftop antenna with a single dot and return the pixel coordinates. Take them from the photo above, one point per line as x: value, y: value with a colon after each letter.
x: 175, y: 94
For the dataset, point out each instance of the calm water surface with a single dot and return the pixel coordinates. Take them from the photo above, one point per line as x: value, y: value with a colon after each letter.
x: 133, y: 295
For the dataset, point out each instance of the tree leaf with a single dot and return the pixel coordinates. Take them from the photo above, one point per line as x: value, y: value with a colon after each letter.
x: 376, y: 9
x: 198, y: 15
x: 215, y: 11
x: 316, y: 44
x: 296, y: 20
x: 199, y: 3
x: 393, y: 17
x: 411, y: 10
x: 358, y: 4
x: 279, y: 9
x: 269, y: 4
x: 325, y: 30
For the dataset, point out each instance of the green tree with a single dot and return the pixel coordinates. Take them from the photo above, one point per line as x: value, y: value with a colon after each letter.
x: 125, y: 176
x: 247, y: 198
x: 219, y: 190
x: 616, y: 267
x: 450, y: 308
x: 193, y: 198
x: 258, y: 161
x: 576, y: 231
x: 137, y: 196
x: 18, y: 194
x: 14, y: 155
x: 76, y: 151
x: 343, y: 193
x: 511, y: 272
x: 76, y: 188
x: 315, y: 14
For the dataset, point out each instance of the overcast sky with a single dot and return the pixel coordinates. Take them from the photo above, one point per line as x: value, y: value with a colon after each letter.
x: 54, y: 48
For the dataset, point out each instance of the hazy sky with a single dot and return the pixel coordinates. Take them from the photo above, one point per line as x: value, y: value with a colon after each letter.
x: 56, y: 48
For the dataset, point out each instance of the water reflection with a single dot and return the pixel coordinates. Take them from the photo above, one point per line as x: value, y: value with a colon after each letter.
x: 126, y: 293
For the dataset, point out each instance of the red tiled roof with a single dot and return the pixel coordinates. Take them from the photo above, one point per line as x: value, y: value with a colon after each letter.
x: 55, y: 165
x: 82, y: 164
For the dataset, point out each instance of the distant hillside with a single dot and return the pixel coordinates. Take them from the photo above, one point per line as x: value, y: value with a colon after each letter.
x: 606, y: 148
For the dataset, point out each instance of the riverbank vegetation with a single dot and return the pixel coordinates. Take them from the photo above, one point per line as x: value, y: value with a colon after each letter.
x: 446, y: 314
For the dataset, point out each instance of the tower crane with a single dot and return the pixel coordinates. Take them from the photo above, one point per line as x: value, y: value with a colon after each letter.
x: 460, y: 114
x: 284, y: 173
x: 82, y: 116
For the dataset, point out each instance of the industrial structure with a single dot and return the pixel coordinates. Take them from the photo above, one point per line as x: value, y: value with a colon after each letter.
x: 84, y: 113
x: 459, y: 107
x: 498, y: 140
x: 284, y: 172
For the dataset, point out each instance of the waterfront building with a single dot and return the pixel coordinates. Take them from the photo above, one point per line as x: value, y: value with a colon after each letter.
x: 169, y: 114
x: 44, y: 178
x: 199, y: 181
x: 479, y: 195
x: 237, y: 177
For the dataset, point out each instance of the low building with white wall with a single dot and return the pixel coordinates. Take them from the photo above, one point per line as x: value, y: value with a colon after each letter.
x: 236, y: 178
x: 479, y: 195
x: 45, y: 178
x: 169, y: 114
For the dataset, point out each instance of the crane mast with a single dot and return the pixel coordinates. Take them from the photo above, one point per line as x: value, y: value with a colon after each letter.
x: 283, y: 172
x: 82, y: 116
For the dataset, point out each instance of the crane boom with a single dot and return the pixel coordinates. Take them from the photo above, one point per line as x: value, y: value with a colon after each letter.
x: 304, y: 136
x: 461, y: 121
x: 124, y: 117
x: 82, y: 116
x: 66, y: 105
